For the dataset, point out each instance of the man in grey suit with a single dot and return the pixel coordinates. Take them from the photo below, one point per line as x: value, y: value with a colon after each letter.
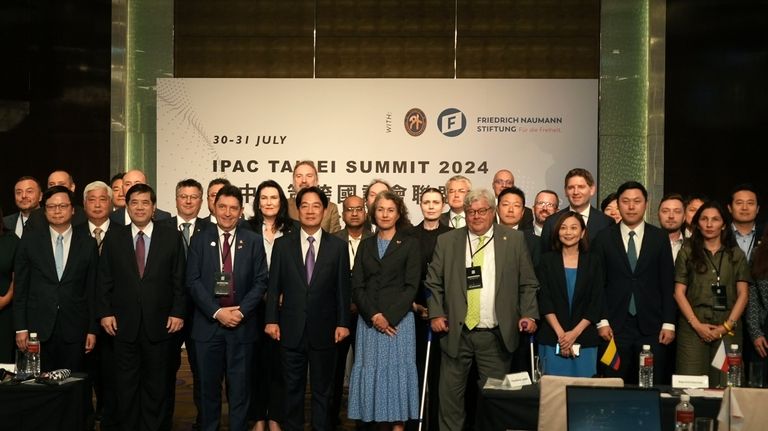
x: 483, y: 294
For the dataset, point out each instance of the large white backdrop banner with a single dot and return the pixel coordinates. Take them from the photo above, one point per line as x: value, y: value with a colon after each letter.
x: 413, y: 133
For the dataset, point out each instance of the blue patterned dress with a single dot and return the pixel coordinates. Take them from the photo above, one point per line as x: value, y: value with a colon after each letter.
x: 384, y: 385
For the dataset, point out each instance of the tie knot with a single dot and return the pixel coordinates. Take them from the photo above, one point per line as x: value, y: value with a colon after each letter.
x: 186, y: 225
x: 60, y: 238
x: 97, y: 231
x: 141, y: 233
x: 631, y: 233
x: 226, y: 236
x: 481, y: 240
x: 311, y: 239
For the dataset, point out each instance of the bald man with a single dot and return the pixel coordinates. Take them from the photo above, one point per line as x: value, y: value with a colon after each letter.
x: 131, y: 178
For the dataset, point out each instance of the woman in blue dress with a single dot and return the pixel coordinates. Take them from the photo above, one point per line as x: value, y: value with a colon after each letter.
x: 384, y: 386
x: 570, y: 299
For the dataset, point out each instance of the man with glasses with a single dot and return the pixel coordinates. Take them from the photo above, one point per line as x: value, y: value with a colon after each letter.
x: 545, y: 204
x: 483, y: 293
x: 55, y: 275
x: 503, y: 179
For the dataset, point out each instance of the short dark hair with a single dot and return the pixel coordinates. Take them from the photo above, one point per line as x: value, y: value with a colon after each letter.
x: 744, y: 187
x: 117, y: 176
x: 49, y: 192
x: 189, y: 182
x: 30, y: 178
x: 580, y: 172
x: 672, y: 196
x: 231, y: 191
x: 607, y: 201
x: 141, y: 188
x: 217, y: 181
x: 314, y: 189
x: 629, y: 185
x: 513, y: 190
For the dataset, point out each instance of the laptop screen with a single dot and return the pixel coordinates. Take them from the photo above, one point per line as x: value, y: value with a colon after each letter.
x: 594, y: 408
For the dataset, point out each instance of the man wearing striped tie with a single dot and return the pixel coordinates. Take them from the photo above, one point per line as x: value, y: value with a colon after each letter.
x: 483, y: 295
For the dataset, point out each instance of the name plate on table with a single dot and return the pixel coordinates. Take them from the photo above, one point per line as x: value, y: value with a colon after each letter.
x: 517, y: 380
x: 680, y: 381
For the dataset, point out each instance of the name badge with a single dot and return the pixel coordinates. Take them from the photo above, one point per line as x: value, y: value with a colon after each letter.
x: 223, y: 283
x: 474, y: 278
x: 719, y: 298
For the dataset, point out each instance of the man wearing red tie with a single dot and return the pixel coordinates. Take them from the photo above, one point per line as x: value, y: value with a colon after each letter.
x: 141, y: 304
x: 226, y: 276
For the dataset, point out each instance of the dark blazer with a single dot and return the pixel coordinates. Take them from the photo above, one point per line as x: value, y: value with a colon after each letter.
x: 141, y: 301
x: 312, y: 308
x: 596, y: 222
x: 652, y: 281
x: 41, y: 301
x: 533, y: 243
x: 250, y: 272
x: 387, y: 285
x: 118, y: 216
x: 553, y: 297
x: 516, y: 285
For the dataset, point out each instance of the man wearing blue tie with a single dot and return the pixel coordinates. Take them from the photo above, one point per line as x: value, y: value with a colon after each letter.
x: 55, y: 278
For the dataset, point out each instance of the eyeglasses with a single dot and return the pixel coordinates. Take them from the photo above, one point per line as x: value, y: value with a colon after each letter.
x: 544, y: 204
x: 481, y: 212
x: 354, y: 209
x: 54, y: 207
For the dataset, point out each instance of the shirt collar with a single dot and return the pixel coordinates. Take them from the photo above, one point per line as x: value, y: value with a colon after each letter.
x: 67, y: 234
x: 639, y: 229
x: 147, y: 229
x: 104, y: 226
x: 487, y: 235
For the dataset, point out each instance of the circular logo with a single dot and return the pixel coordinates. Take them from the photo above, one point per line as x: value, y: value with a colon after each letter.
x: 451, y: 122
x: 415, y: 122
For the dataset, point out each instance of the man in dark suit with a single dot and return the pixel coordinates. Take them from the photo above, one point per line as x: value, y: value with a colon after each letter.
x: 226, y: 276
x: 142, y: 304
x: 639, y: 285
x: 97, y: 200
x: 456, y: 188
x: 579, y: 188
x: 504, y: 179
x: 310, y: 270
x: 354, y: 215
x: 120, y: 215
x: 483, y: 289
x: 27, y: 193
x: 55, y: 275
x: 189, y: 200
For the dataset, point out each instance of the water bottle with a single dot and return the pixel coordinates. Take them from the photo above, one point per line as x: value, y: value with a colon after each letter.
x: 33, y: 354
x: 735, y: 368
x: 645, y: 379
x: 684, y: 414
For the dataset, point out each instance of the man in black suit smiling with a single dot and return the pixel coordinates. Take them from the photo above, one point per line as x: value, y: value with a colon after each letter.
x: 141, y: 304
x: 310, y: 269
x: 55, y: 277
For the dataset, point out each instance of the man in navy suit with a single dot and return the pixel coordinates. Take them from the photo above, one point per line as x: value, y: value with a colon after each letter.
x: 310, y: 270
x: 131, y: 178
x: 141, y: 305
x: 55, y: 278
x: 639, y: 285
x: 580, y: 186
x: 226, y: 276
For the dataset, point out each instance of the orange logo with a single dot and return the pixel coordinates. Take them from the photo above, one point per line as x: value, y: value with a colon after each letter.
x: 415, y: 122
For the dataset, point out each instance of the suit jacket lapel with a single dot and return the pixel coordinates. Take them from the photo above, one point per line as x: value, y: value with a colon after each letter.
x: 298, y: 257
x: 460, y: 261
x: 74, y: 244
x: 394, y: 245
x: 50, y: 260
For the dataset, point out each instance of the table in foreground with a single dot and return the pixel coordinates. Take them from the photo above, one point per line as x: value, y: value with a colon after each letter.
x: 36, y: 407
x: 519, y: 410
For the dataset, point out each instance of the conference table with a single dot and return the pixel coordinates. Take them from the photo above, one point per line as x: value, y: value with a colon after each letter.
x: 33, y: 406
x: 499, y: 409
